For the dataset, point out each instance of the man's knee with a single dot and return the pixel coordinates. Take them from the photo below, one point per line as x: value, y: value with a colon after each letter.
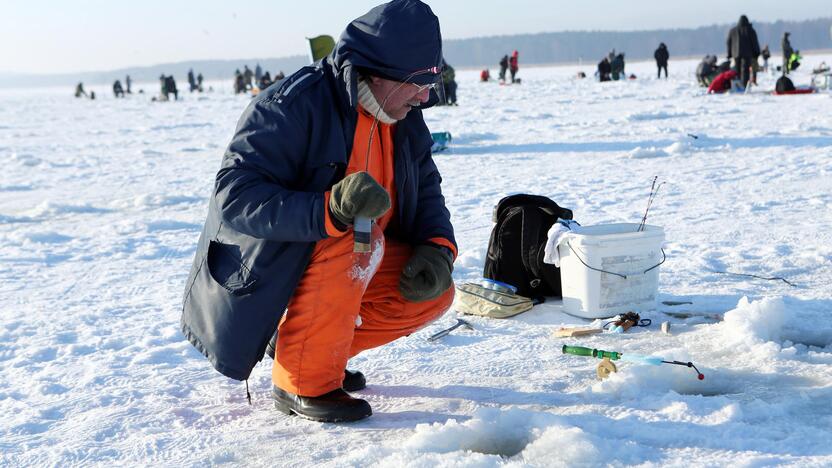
x: 440, y: 305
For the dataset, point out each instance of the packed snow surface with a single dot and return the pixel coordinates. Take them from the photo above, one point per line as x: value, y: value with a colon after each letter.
x: 101, y: 204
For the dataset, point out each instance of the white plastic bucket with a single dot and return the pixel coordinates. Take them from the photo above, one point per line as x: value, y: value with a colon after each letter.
x: 610, y: 269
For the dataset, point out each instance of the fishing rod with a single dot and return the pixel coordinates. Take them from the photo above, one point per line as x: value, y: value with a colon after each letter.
x: 615, y: 356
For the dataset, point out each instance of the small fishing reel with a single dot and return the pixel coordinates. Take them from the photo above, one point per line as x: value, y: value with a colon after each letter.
x: 605, y: 368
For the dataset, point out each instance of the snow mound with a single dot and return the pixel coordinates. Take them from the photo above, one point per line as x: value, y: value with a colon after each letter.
x: 645, y: 383
x: 756, y: 323
x: 644, y: 153
x: 680, y: 147
x: 494, y: 437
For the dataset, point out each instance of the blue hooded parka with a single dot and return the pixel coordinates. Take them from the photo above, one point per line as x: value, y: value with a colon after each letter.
x: 291, y: 145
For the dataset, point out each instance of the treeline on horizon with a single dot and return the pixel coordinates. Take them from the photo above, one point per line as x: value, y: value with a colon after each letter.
x: 587, y: 47
x: 591, y: 46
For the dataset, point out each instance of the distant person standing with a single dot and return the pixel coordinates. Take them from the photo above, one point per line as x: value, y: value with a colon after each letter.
x: 617, y: 66
x: 248, y: 76
x: 128, y: 82
x: 170, y: 83
x: 513, y: 66
x: 239, y: 82
x: 163, y: 86
x: 449, y: 83
x: 191, y: 81
x: 662, y: 56
x: 786, y: 46
x: 743, y: 48
x: 503, y: 68
x: 258, y: 73
x: 199, y: 82
x: 766, y: 54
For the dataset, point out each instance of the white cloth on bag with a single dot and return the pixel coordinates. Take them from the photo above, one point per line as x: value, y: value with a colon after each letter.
x: 555, y: 237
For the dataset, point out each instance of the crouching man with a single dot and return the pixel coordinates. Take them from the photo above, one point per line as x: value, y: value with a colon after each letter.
x: 340, y: 139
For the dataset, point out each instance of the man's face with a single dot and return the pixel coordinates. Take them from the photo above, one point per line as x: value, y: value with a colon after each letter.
x: 400, y: 97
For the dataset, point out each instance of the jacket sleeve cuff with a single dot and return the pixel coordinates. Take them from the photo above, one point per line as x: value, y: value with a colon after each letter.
x: 441, y: 241
x: 329, y: 223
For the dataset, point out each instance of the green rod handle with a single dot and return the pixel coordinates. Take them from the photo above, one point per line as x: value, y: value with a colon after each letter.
x: 590, y: 352
x: 577, y: 350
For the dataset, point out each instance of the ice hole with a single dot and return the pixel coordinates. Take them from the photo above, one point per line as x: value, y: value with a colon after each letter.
x: 505, y: 447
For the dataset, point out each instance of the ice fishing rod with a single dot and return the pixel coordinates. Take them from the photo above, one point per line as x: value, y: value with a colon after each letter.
x: 654, y: 190
x: 614, y: 356
x: 362, y: 226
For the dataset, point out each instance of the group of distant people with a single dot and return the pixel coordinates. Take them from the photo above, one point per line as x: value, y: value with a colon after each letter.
x: 248, y: 80
x: 118, y: 89
x: 168, y: 88
x: 80, y: 92
x: 121, y: 91
x: 611, y: 67
x: 167, y: 85
x: 195, y: 83
x: 743, y: 50
x: 510, y: 64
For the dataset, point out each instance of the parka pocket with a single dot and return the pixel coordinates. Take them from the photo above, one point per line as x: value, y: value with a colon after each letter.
x: 227, y: 269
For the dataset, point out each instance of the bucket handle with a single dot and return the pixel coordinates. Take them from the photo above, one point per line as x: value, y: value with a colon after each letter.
x: 664, y: 257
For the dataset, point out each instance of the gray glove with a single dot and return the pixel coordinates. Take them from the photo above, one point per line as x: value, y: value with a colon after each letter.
x: 357, y: 195
x: 427, y: 274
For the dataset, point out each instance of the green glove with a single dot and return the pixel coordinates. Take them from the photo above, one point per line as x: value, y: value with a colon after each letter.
x: 427, y: 274
x: 357, y: 195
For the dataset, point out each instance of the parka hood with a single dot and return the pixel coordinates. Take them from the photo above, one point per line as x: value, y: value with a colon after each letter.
x: 393, y: 41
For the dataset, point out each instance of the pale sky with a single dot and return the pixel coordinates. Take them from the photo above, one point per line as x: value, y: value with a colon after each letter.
x: 57, y: 36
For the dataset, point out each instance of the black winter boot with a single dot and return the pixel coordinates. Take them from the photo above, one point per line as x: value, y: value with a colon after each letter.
x: 335, y: 406
x: 353, y: 381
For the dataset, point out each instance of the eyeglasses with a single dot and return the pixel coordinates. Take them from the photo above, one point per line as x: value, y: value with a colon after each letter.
x: 429, y: 86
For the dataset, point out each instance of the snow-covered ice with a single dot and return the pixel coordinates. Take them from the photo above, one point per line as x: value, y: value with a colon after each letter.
x: 101, y: 204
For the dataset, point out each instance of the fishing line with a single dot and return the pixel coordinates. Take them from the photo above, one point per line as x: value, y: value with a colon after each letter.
x: 362, y: 226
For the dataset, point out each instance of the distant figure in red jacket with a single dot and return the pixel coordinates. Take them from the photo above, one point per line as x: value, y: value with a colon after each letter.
x: 512, y: 65
x: 722, y: 82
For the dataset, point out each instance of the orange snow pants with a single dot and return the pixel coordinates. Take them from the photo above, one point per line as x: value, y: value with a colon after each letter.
x: 346, y: 303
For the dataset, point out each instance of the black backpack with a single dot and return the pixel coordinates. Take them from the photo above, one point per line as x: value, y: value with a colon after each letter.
x: 784, y: 84
x: 518, y: 240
